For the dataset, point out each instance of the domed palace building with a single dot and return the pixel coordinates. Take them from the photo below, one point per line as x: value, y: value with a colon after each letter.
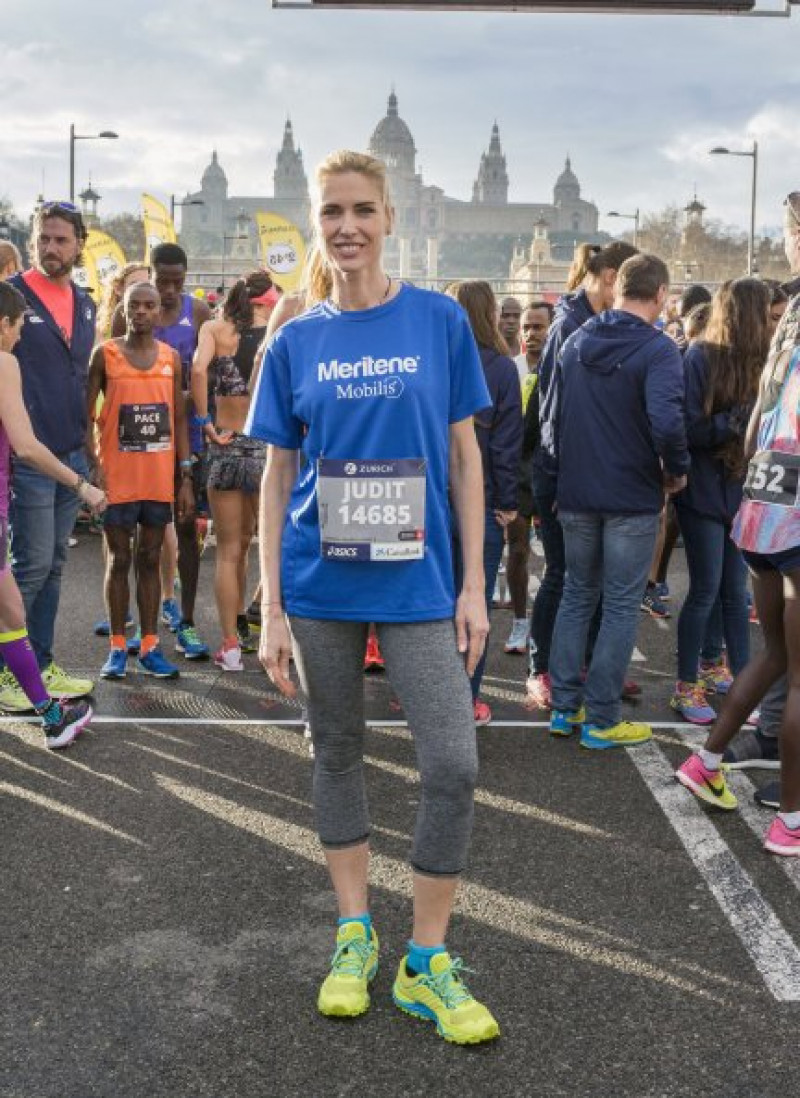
x: 436, y: 236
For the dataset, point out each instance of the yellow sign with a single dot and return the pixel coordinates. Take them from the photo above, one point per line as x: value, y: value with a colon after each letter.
x: 158, y: 226
x: 283, y: 250
x: 102, y: 259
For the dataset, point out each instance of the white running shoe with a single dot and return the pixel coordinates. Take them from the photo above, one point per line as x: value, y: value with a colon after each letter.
x: 229, y: 658
x: 518, y: 640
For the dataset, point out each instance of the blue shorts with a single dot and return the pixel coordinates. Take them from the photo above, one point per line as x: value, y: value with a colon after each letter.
x: 146, y: 512
x: 788, y: 560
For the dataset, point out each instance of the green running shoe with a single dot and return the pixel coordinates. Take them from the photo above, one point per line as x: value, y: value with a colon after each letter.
x: 345, y: 991
x: 444, y: 998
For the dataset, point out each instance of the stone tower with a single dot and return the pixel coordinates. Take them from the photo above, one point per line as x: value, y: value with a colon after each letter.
x: 290, y: 176
x: 491, y: 186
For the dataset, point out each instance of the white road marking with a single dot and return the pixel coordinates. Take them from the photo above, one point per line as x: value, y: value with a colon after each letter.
x: 638, y: 657
x: 771, y: 949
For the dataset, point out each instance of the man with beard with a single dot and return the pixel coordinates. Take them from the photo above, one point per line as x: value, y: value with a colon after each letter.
x: 53, y: 353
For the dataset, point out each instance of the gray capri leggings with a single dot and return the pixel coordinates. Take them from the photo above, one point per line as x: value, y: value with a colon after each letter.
x: 427, y: 672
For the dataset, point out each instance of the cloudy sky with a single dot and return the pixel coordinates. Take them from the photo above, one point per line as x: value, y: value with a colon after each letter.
x: 636, y: 101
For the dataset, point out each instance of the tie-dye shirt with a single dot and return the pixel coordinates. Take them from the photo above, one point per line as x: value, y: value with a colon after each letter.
x: 768, y: 520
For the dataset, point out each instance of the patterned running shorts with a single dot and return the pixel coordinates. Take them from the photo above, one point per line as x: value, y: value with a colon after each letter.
x: 237, y: 466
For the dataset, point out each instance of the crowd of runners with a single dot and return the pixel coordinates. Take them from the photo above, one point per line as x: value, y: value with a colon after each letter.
x: 393, y: 448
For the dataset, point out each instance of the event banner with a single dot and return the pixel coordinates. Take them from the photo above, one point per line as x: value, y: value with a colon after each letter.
x: 158, y: 226
x: 102, y: 259
x: 283, y: 250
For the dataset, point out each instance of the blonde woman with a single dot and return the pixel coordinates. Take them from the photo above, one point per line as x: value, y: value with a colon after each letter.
x: 377, y: 385
x: 10, y: 260
x: 114, y: 292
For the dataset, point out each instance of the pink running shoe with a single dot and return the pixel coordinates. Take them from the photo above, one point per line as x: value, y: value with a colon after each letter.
x: 781, y: 839
x: 708, y: 786
x: 538, y: 690
x: 481, y: 712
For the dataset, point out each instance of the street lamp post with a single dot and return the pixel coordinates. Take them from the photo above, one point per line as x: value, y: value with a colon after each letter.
x: 753, y: 153
x: 634, y: 217
x: 240, y: 234
x: 108, y: 135
x: 175, y: 202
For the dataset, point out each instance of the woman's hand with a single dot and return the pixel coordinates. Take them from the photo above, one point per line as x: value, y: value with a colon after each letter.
x: 472, y: 626
x: 222, y: 436
x: 504, y: 518
x: 275, y: 650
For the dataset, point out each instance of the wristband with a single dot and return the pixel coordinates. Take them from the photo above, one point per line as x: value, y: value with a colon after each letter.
x: 76, y: 488
x: 185, y: 463
x: 200, y: 421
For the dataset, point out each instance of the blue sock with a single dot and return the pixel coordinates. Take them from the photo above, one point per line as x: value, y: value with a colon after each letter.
x: 418, y: 960
x: 365, y: 920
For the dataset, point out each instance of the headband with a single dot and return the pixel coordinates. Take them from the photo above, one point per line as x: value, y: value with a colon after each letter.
x: 270, y: 297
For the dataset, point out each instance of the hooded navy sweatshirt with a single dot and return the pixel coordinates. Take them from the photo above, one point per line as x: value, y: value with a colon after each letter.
x: 712, y: 491
x: 499, y: 432
x: 571, y: 312
x: 621, y: 398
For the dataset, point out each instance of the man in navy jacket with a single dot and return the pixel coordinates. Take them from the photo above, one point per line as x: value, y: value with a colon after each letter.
x: 53, y: 352
x: 621, y: 445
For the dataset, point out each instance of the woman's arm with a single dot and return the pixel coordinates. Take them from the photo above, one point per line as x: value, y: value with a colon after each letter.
x: 466, y: 487
x: 275, y: 648
x: 26, y: 445
x: 751, y: 434
x: 203, y: 357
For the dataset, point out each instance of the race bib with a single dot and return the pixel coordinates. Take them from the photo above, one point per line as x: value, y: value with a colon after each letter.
x: 772, y: 477
x: 144, y: 428
x: 371, y: 510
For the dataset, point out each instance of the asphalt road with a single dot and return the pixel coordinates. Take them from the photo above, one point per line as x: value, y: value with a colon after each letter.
x: 167, y: 918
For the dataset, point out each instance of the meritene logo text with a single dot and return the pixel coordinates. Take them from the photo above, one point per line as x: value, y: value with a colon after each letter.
x: 384, y: 371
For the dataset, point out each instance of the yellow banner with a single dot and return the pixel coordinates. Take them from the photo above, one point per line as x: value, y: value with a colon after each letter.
x: 283, y: 250
x: 102, y: 259
x: 158, y: 226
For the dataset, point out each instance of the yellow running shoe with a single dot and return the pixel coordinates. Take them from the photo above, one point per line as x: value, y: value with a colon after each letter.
x: 13, y: 698
x: 444, y: 998
x: 61, y: 685
x: 624, y: 734
x: 344, y: 992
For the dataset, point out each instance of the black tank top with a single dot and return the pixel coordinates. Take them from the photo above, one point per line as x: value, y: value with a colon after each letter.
x: 233, y: 372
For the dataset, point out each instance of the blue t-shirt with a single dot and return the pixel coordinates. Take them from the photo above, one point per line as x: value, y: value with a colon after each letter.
x: 380, y: 384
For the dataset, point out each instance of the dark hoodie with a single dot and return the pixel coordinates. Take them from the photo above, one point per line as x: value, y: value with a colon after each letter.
x: 572, y: 311
x: 621, y: 397
x: 499, y: 432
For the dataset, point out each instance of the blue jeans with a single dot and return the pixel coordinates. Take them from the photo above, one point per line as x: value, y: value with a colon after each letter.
x: 607, y: 556
x: 493, y: 543
x: 716, y: 572
x: 43, y: 514
x: 548, y: 597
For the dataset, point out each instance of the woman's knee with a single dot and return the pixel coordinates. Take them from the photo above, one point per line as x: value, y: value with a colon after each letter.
x: 451, y: 776
x: 339, y: 753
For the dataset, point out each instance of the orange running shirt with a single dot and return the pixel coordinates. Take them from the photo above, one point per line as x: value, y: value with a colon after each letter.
x: 137, y: 428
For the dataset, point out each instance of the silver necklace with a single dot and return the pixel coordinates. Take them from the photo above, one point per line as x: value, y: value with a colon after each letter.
x: 382, y: 301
